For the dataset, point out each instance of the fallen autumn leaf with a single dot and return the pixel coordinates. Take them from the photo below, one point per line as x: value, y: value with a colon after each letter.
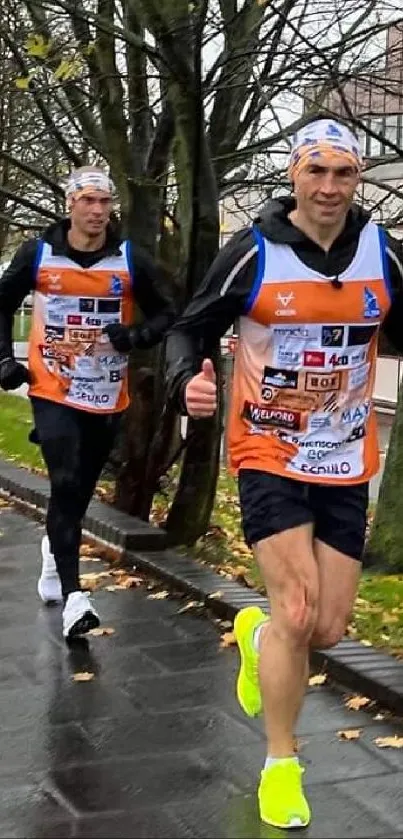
x: 88, y: 550
x: 89, y: 558
x: 158, y: 595
x: 349, y: 734
x: 92, y: 580
x: 357, y: 702
x: 394, y: 742
x: 83, y: 677
x: 319, y: 679
x: 193, y: 604
x: 227, y: 639
x: 131, y: 582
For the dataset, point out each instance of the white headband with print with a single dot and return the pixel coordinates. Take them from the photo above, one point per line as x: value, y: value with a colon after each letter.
x: 80, y: 182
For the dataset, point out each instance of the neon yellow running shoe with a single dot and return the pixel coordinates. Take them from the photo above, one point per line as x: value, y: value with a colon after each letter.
x: 248, y: 688
x: 282, y: 802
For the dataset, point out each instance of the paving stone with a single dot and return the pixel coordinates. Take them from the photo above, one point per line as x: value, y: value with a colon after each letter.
x: 382, y: 796
x: 187, y: 655
x: 20, y: 829
x: 35, y: 748
x: 236, y: 817
x: 143, y: 824
x: 168, y: 731
x: 126, y: 784
x: 30, y: 808
x: 207, y: 686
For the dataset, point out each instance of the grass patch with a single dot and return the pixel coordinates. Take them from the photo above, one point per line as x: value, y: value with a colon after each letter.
x: 21, y: 327
x: 15, y: 424
x: 378, y: 613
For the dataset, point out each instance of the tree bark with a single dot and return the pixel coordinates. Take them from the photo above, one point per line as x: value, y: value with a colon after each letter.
x: 136, y: 436
x: 191, y: 508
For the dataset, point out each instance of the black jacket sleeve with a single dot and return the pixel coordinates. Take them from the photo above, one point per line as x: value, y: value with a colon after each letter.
x: 392, y: 327
x: 15, y: 283
x: 219, y: 301
x: 153, y: 298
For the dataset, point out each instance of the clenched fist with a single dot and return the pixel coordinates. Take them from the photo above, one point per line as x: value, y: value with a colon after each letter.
x: 13, y: 374
x: 121, y: 337
x: 201, y: 392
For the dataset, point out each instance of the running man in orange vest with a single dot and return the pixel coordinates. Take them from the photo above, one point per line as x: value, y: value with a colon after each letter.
x: 87, y: 284
x: 311, y: 283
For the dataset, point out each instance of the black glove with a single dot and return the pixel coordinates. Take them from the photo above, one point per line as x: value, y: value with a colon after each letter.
x: 122, y: 338
x: 13, y: 374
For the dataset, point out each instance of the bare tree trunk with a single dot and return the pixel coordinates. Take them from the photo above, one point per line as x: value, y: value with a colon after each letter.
x: 136, y: 436
x: 191, y: 508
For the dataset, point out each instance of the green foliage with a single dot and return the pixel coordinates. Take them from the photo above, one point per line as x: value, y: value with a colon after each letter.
x: 15, y: 425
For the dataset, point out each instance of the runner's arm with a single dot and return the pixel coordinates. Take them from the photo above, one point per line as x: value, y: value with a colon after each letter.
x: 152, y: 296
x: 220, y: 300
x: 15, y: 283
x: 392, y: 327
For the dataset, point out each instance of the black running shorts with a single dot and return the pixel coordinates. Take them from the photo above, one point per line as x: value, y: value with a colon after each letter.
x: 271, y: 504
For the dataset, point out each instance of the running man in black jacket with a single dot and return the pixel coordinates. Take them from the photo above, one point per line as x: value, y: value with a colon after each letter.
x: 88, y: 283
x: 311, y: 284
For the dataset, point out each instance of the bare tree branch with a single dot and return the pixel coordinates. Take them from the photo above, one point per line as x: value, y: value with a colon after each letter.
x: 24, y: 202
x: 44, y: 111
x: 32, y: 170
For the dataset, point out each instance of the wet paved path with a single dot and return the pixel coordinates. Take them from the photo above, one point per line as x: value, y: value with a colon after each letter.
x: 155, y: 745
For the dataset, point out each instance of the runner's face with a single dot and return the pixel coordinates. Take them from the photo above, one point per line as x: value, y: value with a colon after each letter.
x: 324, y: 192
x: 90, y: 213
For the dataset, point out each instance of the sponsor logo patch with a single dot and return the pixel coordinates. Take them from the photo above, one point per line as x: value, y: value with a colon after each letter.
x: 54, y: 333
x: 280, y: 378
x: 86, y: 304
x: 371, y: 306
x: 277, y: 417
x: 359, y: 335
x: 313, y: 358
x: 322, y: 382
x: 332, y: 336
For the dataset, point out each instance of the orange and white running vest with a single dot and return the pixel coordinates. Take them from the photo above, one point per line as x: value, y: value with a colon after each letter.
x: 70, y: 359
x: 305, y: 366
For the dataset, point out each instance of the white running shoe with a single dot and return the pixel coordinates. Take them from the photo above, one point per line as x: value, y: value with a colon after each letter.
x: 49, y: 585
x: 79, y: 615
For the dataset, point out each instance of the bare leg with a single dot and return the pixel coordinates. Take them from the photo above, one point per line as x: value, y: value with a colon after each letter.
x: 339, y: 576
x: 290, y: 573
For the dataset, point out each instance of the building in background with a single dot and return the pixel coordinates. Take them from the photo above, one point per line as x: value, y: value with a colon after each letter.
x: 373, y: 103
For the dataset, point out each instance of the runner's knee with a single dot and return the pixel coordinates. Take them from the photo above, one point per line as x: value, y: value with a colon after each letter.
x: 290, y: 573
x: 299, y: 608
x: 327, y: 633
